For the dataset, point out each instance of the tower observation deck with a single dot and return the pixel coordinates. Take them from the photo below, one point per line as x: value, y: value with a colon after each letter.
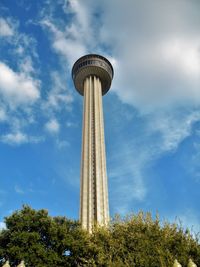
x: 92, y: 75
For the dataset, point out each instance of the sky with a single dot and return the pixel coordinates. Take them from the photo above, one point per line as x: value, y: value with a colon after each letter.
x: 151, y: 113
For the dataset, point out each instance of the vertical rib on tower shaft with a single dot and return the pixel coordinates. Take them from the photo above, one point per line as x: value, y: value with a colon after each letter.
x: 94, y: 194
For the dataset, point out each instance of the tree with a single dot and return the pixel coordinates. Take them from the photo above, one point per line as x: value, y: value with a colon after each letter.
x: 38, y: 239
x: 140, y: 241
x: 136, y: 241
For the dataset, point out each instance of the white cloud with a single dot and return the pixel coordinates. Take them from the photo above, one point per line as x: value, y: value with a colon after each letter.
x: 17, y: 88
x: 183, y: 55
x: 19, y: 190
x: 149, y: 137
x: 6, y: 29
x: 70, y: 124
x: 62, y: 144
x: 79, y: 36
x: 128, y: 167
x: 52, y: 126
x: 157, y: 76
x: 26, y: 65
x: 59, y: 96
x: 173, y: 127
x: 69, y: 47
x: 3, y: 115
x: 14, y: 138
x: 21, y: 45
x: 18, y: 138
x: 157, y: 51
x: 80, y: 11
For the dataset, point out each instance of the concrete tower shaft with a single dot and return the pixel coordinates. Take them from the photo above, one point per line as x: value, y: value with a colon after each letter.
x: 92, y: 75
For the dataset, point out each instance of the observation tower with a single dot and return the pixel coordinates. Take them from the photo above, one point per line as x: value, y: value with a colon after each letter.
x: 92, y: 75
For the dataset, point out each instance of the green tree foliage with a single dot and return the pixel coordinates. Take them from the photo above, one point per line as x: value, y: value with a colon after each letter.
x: 39, y: 239
x: 140, y: 241
x: 136, y: 241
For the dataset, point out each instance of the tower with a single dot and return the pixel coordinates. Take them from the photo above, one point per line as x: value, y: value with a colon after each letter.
x: 92, y: 75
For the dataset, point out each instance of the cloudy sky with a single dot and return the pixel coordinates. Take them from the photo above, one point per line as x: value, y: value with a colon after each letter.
x: 152, y: 112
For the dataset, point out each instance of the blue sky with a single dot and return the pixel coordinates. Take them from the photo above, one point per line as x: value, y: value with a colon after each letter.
x: 151, y: 113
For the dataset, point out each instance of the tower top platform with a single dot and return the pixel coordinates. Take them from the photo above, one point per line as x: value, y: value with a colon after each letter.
x: 92, y: 64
